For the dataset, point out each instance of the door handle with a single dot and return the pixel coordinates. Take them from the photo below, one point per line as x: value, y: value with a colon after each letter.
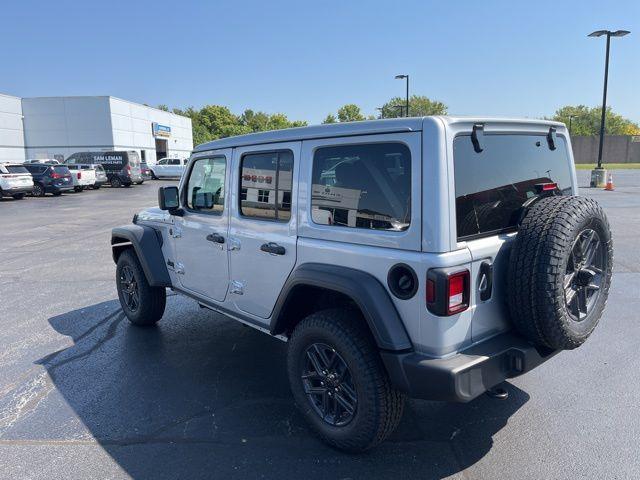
x: 215, y: 238
x: 273, y: 248
x: 485, y: 281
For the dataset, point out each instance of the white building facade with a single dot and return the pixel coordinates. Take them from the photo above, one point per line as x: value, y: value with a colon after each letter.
x: 11, y: 129
x: 56, y: 127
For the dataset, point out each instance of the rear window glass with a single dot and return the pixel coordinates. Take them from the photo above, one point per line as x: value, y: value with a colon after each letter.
x: 492, y: 185
x: 16, y: 169
x: 362, y: 186
x: 62, y: 170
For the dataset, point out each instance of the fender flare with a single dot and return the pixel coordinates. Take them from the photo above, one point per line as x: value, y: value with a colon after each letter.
x: 363, y: 288
x: 147, y: 243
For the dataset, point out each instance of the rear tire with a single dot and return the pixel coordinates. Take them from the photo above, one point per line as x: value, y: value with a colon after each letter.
x: 38, y: 190
x: 142, y: 304
x: 140, y: 183
x: 116, y: 182
x: 18, y: 196
x: 376, y: 407
x: 560, y: 271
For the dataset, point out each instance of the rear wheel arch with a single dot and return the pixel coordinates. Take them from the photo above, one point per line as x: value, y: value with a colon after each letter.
x: 313, y: 287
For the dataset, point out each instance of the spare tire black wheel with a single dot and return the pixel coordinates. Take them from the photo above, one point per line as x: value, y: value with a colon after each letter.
x: 560, y: 271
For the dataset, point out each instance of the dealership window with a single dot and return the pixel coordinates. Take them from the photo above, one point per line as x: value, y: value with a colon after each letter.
x: 266, y: 182
x: 263, y: 196
x: 205, y: 187
x: 362, y: 186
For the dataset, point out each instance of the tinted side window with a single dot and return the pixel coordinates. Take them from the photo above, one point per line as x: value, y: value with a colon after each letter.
x: 492, y: 185
x: 265, y: 185
x: 362, y: 186
x: 205, y: 189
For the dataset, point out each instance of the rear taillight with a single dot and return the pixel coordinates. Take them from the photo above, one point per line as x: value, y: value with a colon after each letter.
x: 55, y: 175
x: 447, y: 291
x: 458, y: 292
x: 79, y: 175
x: 129, y: 169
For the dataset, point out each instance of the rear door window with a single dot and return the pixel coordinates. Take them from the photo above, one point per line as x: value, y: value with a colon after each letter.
x: 492, y: 185
x: 16, y: 169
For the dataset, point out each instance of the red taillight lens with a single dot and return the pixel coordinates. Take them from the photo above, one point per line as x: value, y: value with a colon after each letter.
x: 458, y: 292
x: 55, y: 175
x: 79, y: 175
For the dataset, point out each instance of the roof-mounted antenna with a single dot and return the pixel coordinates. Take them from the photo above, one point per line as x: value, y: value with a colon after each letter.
x: 476, y: 136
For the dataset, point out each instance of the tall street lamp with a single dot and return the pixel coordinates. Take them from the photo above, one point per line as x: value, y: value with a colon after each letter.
x: 406, y: 77
x: 571, y: 117
x: 609, y: 34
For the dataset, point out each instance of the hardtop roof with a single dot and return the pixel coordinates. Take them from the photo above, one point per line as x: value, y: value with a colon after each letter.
x: 367, y: 127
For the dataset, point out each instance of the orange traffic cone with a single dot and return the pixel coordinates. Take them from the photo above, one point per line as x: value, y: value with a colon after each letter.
x: 609, y: 186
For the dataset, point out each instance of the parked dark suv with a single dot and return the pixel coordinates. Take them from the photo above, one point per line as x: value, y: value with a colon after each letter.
x: 48, y: 178
x: 122, y: 168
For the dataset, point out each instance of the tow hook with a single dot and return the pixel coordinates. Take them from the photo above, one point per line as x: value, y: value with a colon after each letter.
x: 498, y: 392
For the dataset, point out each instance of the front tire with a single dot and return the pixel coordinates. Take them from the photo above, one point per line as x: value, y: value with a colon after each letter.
x: 18, y: 196
x: 153, y: 176
x: 141, y: 303
x: 140, y: 183
x: 339, y: 383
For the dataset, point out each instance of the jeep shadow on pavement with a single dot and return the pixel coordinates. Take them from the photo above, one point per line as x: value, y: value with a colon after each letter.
x: 200, y: 396
x: 429, y: 258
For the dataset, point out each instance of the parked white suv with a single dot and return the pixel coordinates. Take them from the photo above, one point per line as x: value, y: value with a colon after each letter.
x: 427, y: 257
x: 168, y: 168
x: 15, y: 181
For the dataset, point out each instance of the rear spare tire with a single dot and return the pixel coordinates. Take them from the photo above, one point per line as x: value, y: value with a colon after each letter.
x: 560, y: 271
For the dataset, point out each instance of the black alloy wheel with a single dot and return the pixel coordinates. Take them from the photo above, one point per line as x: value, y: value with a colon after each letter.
x: 584, y: 274
x: 129, y: 288
x: 328, y: 384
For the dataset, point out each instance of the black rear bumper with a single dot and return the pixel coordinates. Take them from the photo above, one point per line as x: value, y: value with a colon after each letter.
x: 468, y: 374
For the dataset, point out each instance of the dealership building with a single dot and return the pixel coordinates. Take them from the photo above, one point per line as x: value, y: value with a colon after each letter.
x: 56, y: 127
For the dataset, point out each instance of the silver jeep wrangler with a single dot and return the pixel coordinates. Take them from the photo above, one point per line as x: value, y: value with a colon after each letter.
x: 426, y: 257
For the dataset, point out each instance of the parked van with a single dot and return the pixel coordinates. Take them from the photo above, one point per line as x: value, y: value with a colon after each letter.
x: 122, y: 167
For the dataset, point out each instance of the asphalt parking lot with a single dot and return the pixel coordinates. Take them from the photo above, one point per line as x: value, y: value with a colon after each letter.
x: 85, y: 395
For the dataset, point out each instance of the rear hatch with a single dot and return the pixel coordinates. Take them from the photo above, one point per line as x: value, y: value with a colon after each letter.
x: 17, y: 177
x: 493, y: 179
x: 60, y: 176
x: 133, y: 168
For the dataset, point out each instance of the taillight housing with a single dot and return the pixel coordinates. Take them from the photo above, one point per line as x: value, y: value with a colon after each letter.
x: 447, y: 290
x: 79, y: 175
x: 55, y: 175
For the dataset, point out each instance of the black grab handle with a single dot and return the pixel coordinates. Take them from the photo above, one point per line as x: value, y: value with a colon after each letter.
x: 273, y: 248
x: 215, y: 237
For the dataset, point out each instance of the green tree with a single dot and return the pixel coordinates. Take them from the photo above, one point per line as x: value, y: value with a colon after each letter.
x: 330, y: 119
x: 164, y: 108
x: 586, y: 121
x: 350, y: 113
x: 419, y: 106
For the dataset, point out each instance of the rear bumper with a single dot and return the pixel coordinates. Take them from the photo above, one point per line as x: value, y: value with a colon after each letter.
x: 59, y: 188
x: 7, y: 192
x: 468, y: 374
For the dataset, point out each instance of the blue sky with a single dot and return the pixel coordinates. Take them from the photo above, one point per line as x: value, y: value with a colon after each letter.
x: 306, y: 59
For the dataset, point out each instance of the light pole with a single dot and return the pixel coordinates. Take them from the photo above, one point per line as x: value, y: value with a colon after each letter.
x: 405, y: 77
x: 570, y: 119
x: 609, y: 34
x: 381, y: 110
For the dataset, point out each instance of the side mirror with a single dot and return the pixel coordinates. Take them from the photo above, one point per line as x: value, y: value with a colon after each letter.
x: 168, y: 198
